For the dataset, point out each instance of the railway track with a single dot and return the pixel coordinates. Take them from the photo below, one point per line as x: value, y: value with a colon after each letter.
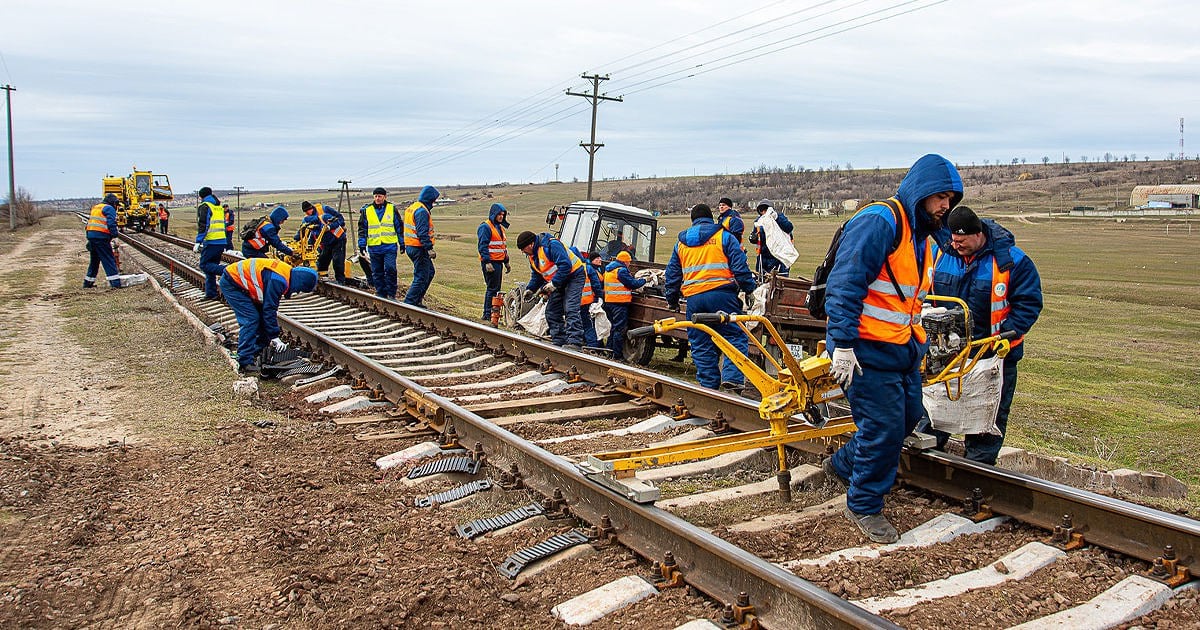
x: 527, y: 411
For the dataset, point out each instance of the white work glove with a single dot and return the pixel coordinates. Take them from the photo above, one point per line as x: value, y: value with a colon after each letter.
x: 845, y: 366
x: 236, y: 254
x: 489, y: 267
x: 278, y: 345
x: 196, y: 248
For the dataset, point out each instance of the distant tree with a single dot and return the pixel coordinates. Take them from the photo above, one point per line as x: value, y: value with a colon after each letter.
x: 1045, y: 160
x: 1170, y: 156
x: 1108, y: 157
x: 1066, y: 160
x: 1022, y: 161
x: 1083, y: 158
x: 849, y: 167
x: 986, y: 162
x: 1146, y: 158
x: 1014, y: 161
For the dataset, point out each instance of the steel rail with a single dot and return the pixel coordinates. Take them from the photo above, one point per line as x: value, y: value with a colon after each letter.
x: 1120, y: 526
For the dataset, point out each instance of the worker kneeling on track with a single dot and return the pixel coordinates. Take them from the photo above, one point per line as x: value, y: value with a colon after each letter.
x: 708, y: 267
x: 253, y: 289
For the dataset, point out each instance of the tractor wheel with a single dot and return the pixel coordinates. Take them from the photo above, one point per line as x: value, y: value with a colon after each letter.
x: 639, y: 350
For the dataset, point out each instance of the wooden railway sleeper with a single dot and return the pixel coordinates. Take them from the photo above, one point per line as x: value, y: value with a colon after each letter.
x: 667, y: 573
x: 1065, y: 537
x: 1168, y: 570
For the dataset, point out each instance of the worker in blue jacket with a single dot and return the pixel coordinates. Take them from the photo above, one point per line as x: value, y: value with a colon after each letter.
x: 619, y: 286
x: 883, y: 271
x: 593, y: 293
x: 101, y: 230
x: 730, y: 219
x: 557, y: 273
x: 708, y: 268
x: 253, y: 289
x: 332, y: 248
x: 978, y: 262
x: 418, y: 244
x: 767, y: 262
x: 379, y: 228
x: 212, y: 239
x: 267, y: 235
x: 492, y: 244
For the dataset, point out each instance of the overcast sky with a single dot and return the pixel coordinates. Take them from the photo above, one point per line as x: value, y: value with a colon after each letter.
x: 271, y: 95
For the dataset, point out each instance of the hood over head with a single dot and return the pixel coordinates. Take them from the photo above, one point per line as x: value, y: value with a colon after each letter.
x: 495, y: 211
x: 429, y: 194
x: 278, y: 215
x: 111, y: 200
x: 929, y: 175
x: 303, y: 280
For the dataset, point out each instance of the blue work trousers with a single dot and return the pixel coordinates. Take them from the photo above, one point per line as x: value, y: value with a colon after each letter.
x: 711, y: 370
x: 101, y: 255
x: 333, y: 250
x: 249, y: 318
x: 886, y: 406
x: 494, y: 280
x: 589, y: 327
x: 618, y: 316
x: 563, y: 317
x: 212, y: 266
x: 768, y: 263
x: 984, y: 448
x: 422, y: 275
x: 383, y: 272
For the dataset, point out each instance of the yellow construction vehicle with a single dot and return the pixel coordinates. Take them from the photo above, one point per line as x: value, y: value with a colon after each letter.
x: 138, y: 193
x: 791, y: 401
x: 304, y: 247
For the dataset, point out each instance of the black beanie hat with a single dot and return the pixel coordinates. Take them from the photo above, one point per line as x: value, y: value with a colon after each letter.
x: 701, y: 211
x: 204, y: 192
x: 305, y: 206
x: 379, y: 191
x: 963, y: 220
x: 726, y: 200
x: 525, y: 239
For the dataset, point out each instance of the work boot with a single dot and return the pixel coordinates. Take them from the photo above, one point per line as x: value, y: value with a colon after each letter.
x: 89, y: 285
x: 733, y: 388
x: 832, y: 477
x: 572, y: 347
x: 249, y: 370
x: 875, y: 526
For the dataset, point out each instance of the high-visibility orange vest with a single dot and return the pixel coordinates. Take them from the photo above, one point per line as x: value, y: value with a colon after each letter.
x: 247, y: 274
x: 999, y: 299
x: 544, y: 265
x: 163, y: 215
x: 97, y: 222
x: 338, y: 231
x: 587, y: 297
x: 892, y: 318
x: 705, y: 267
x: 259, y: 241
x: 497, y: 245
x: 410, y: 226
x: 615, y: 291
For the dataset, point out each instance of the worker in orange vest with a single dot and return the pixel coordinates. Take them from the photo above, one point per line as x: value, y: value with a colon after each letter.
x: 619, y: 286
x: 493, y: 254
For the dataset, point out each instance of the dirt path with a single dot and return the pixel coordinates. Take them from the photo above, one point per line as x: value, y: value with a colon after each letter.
x: 51, y: 390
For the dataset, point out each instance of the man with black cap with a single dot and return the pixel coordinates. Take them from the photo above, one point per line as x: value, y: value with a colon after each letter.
x: 768, y: 262
x: 883, y: 270
x: 730, y: 219
x: 101, y: 230
x: 978, y: 262
x: 333, y: 244
x: 418, y: 244
x: 708, y: 267
x: 557, y: 273
x: 212, y: 239
x: 379, y: 227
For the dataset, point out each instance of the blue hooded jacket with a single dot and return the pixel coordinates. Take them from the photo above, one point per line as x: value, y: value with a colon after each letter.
x: 332, y: 218
x: 275, y: 288
x: 203, y: 215
x: 866, y: 241
x: 630, y: 281
x: 972, y: 282
x: 558, y: 253
x: 110, y: 219
x: 428, y: 196
x: 270, y: 231
x: 484, y: 233
x: 703, y: 229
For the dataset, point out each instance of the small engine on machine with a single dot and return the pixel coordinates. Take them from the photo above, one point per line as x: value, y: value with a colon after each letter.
x: 946, y: 329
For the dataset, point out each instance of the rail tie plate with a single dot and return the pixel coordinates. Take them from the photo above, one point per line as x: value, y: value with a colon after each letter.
x: 523, y: 558
x: 468, y: 465
x: 454, y: 494
x: 479, y: 527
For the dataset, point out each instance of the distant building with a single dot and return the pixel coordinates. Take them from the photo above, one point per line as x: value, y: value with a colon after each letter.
x: 1178, y: 195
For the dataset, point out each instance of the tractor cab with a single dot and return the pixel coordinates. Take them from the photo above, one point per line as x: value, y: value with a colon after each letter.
x: 606, y: 228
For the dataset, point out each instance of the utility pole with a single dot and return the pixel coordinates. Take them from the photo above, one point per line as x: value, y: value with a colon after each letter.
x: 238, y: 209
x: 12, y: 181
x: 595, y: 97
x: 556, y: 171
x: 345, y: 191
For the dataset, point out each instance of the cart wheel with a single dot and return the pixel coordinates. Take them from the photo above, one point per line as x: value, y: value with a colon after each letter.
x: 639, y: 351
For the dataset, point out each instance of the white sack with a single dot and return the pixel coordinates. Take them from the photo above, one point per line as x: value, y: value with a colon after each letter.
x: 778, y: 241
x: 599, y: 320
x: 535, y: 320
x: 975, y: 410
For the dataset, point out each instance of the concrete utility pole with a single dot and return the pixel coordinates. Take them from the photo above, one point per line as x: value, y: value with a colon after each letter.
x: 595, y: 97
x: 345, y: 191
x: 12, y: 181
x: 238, y: 209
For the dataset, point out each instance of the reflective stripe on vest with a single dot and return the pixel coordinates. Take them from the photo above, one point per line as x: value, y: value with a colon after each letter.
x: 337, y: 232
x: 410, y: 226
x: 498, y: 246
x: 247, y: 274
x: 615, y: 291
x: 259, y: 241
x: 705, y: 267
x: 587, y: 297
x: 999, y: 301
x: 547, y: 267
x: 892, y: 318
x: 97, y: 222
x: 216, y: 223
x: 381, y: 230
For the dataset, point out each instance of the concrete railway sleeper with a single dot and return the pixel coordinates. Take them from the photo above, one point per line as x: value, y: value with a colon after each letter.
x: 510, y: 401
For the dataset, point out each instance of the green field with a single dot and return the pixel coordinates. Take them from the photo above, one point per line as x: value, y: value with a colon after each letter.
x: 1111, y: 371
